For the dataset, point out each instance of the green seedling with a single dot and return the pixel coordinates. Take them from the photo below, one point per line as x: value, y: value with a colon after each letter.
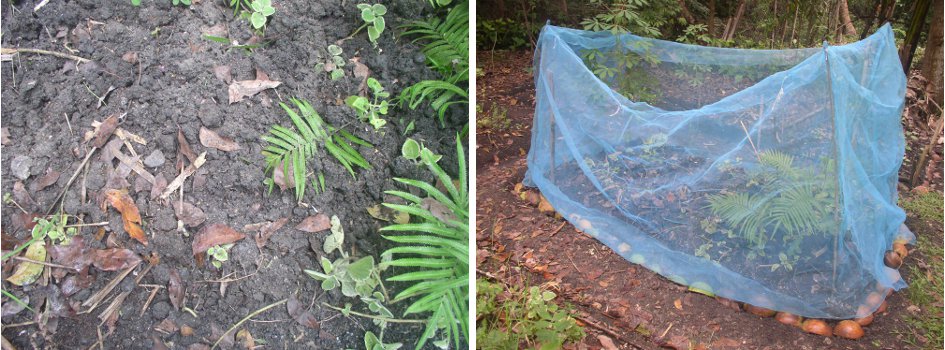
x: 178, y: 2
x: 261, y: 10
x: 219, y: 254
x: 334, y: 64
x: 368, y: 110
x: 248, y: 48
x: 412, y: 150
x: 373, y: 16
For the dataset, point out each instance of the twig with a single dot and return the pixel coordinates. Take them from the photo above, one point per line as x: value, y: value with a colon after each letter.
x: 375, y: 317
x: 749, y: 138
x: 228, y: 280
x: 64, y: 114
x: 147, y: 303
x: 923, y: 157
x: 356, y: 31
x: 71, y: 179
x: 112, y: 308
x: 103, y: 223
x: 9, y: 51
x: 553, y: 233
x: 20, y: 258
x: 594, y: 324
x: 251, y: 315
x: 97, y: 298
x: 27, y: 323
x: 179, y: 180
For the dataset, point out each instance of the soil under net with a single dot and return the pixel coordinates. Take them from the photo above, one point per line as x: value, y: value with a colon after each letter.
x: 764, y: 176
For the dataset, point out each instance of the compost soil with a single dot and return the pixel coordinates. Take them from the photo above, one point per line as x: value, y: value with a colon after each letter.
x: 635, y: 307
x: 163, y: 74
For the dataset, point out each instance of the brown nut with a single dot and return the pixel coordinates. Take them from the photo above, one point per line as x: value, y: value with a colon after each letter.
x: 817, y: 327
x: 848, y: 329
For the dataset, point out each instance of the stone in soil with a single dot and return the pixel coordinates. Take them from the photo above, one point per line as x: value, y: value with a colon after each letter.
x: 155, y: 159
x: 20, y: 167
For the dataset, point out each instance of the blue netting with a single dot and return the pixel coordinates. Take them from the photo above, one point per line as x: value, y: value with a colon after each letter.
x: 764, y: 176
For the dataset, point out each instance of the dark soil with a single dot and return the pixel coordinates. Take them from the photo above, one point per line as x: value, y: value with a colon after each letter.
x: 638, y: 308
x: 47, y: 107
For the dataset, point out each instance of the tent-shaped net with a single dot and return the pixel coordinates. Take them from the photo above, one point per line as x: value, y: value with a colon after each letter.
x: 764, y: 176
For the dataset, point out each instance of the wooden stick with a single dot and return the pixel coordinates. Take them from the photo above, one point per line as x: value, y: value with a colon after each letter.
x: 190, y: 170
x: 71, y: 179
x: 924, y: 156
x: 9, y: 51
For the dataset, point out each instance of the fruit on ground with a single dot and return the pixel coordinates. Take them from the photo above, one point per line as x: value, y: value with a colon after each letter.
x: 848, y: 329
x: 817, y: 327
x: 758, y: 310
x: 789, y: 319
x: 892, y: 259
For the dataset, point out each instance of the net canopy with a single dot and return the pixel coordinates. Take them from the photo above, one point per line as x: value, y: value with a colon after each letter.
x: 764, y: 176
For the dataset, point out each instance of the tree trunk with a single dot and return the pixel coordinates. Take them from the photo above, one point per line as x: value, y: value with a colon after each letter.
x: 932, y: 62
x: 912, y: 35
x: 738, y: 17
x: 685, y: 12
x: 848, y: 28
x: 711, y: 17
x: 833, y: 25
x: 564, y: 10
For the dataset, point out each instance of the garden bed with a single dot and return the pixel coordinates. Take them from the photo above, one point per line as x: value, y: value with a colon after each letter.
x: 167, y: 78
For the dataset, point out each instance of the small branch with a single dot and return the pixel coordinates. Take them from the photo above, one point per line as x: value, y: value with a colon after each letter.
x: 20, y: 258
x: 254, y: 313
x: 190, y: 170
x: 8, y: 51
x: 375, y: 317
x: 356, y: 31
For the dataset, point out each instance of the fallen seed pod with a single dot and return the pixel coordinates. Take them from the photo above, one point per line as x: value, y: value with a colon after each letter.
x: 759, y: 311
x: 864, y: 321
x: 817, y: 327
x: 901, y: 249
x: 848, y: 329
x: 789, y: 319
x: 892, y: 259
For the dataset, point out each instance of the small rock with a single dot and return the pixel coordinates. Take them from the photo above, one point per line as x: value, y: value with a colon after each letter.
x: 155, y: 159
x: 20, y: 167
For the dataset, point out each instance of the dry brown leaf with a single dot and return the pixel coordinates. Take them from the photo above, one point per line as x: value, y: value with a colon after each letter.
x: 115, y: 259
x: 167, y: 326
x: 246, y: 339
x: 268, y: 230
x: 160, y: 183
x: 214, y: 234
x: 223, y: 73
x: 21, y: 195
x: 75, y: 254
x: 189, y: 214
x: 316, y: 223
x: 175, y: 290
x: 183, y: 147
x: 247, y: 88
x: 122, y: 202
x: 300, y: 314
x: 606, y: 343
x: 211, y: 139
x: 361, y: 71
x: 280, y: 179
x: 49, y: 178
x: 104, y: 131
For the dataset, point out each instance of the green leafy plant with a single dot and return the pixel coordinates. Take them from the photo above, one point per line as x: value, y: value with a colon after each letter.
x: 435, y: 249
x: 785, y: 202
x: 247, y: 48
x: 414, y: 151
x: 447, y: 52
x: 219, y: 254
x: 371, y: 110
x: 261, y: 10
x: 373, y: 17
x: 291, y: 149
x: 522, y: 318
x: 334, y: 64
x: 356, y: 277
x: 374, y: 342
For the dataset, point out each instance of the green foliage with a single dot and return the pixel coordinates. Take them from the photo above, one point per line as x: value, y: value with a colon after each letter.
x: 373, y: 17
x: 447, y: 52
x: 179, y: 2
x: 262, y: 9
x: 435, y: 250
x: 695, y: 34
x: 356, y: 277
x: 927, y: 206
x: 410, y: 149
x: 334, y: 64
x: 786, y: 202
x: 925, y: 290
x: 373, y: 342
x: 641, y: 17
x: 368, y: 110
x: 496, y: 119
x: 503, y: 33
x: 219, y: 254
x: 291, y: 149
x: 526, y: 318
x: 247, y: 48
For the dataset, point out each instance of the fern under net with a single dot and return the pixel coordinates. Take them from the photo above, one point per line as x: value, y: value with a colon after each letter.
x: 764, y: 176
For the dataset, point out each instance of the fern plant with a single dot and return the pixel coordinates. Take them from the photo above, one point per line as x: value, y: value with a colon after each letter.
x: 291, y: 149
x: 436, y: 250
x: 447, y: 52
x: 790, y: 203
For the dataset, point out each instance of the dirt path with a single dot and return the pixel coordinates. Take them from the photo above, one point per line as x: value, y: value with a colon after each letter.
x: 166, y: 77
x: 519, y: 245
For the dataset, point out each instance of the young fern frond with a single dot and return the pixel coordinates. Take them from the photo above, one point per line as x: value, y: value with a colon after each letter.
x: 437, y: 252
x: 447, y: 51
x: 292, y: 148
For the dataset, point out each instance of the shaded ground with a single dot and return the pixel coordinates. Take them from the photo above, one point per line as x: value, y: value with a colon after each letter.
x: 164, y: 80
x: 519, y: 245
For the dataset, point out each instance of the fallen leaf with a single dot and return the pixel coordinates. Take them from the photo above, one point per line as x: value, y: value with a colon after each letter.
x: 246, y: 339
x: 157, y: 343
x: 75, y: 283
x: 114, y: 259
x: 439, y: 210
x: 384, y: 213
x: 21, y: 195
x: 606, y: 343
x: 677, y: 304
x: 175, y: 290
x: 167, y: 326
x: 27, y: 272
x: 122, y: 202
x: 315, y: 223
x: 75, y: 254
x: 214, y: 234
x: 361, y: 71
x: 226, y: 339
x: 223, y: 73
x: 298, y: 312
x: 268, y: 230
x: 130, y: 57
x: 160, y: 183
x: 184, y: 148
x: 211, y: 139
x: 49, y: 178
x: 189, y: 214
x: 104, y: 131
x: 278, y: 176
x: 248, y: 88
x: 11, y: 308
